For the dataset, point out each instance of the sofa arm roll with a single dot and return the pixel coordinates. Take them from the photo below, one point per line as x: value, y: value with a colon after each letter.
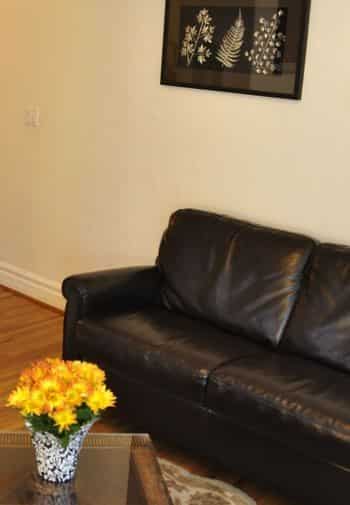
x: 123, y: 286
x: 101, y: 291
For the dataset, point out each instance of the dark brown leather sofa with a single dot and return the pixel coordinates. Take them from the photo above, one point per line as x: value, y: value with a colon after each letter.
x: 236, y: 344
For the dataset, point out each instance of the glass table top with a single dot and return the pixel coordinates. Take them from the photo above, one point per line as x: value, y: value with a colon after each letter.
x: 113, y: 469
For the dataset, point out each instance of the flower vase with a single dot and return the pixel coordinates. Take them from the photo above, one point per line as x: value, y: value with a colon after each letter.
x: 55, y: 463
x: 47, y: 493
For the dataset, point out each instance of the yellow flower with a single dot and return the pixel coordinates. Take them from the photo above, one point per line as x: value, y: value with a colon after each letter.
x: 49, y: 385
x: 37, y: 374
x: 63, y: 372
x: 91, y: 373
x: 55, y: 401
x: 101, y: 399
x: 34, y: 404
x: 64, y: 419
x: 58, y: 388
x: 80, y: 388
x: 74, y: 397
x: 18, y: 397
x: 25, y: 381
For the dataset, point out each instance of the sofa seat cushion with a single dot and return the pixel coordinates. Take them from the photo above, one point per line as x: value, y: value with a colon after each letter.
x: 162, y: 348
x: 293, y: 400
x: 239, y: 276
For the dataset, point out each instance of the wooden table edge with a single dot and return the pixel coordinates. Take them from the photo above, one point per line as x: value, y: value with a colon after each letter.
x: 148, y: 471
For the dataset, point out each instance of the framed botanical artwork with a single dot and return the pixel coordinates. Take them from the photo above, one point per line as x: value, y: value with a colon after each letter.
x: 244, y: 46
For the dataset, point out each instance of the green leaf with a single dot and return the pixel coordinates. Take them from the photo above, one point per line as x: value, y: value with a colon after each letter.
x: 45, y: 423
x: 84, y: 414
x: 64, y: 438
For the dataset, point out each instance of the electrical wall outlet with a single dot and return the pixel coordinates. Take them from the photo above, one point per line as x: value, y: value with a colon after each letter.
x: 32, y: 117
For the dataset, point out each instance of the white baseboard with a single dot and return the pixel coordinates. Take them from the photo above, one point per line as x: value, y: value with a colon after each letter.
x: 32, y: 285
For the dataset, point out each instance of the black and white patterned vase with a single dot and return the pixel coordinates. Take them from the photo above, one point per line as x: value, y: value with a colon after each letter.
x: 56, y: 463
x: 47, y: 493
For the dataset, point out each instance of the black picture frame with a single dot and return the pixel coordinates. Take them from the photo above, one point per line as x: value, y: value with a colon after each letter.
x: 255, y: 47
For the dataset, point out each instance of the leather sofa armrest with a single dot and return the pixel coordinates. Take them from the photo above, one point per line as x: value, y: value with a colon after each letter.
x: 125, y: 285
x: 106, y: 290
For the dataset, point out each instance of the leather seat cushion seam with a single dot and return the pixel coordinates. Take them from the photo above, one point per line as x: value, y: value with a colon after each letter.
x: 155, y: 389
x: 225, y: 363
x: 262, y: 399
x: 209, y: 412
x: 275, y: 439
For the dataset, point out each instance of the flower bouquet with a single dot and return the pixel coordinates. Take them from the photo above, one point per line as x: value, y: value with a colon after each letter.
x: 60, y: 401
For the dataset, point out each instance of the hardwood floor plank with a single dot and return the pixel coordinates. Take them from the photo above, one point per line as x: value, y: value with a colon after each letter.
x: 4, y: 293
x: 31, y: 331
x: 37, y: 334
x: 25, y: 297
x: 16, y: 313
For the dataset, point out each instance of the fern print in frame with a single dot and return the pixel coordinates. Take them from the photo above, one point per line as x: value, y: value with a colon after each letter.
x: 268, y: 45
x: 230, y: 49
x: 196, y: 36
x: 243, y: 46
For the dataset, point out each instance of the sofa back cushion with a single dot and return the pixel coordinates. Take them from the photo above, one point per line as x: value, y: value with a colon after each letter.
x: 320, y: 325
x: 237, y: 275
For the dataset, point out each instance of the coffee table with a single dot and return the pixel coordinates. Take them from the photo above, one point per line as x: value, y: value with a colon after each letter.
x: 114, y: 469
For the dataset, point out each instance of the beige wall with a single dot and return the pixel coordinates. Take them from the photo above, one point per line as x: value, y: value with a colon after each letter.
x: 117, y: 152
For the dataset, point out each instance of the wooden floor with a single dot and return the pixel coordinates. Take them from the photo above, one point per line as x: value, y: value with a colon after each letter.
x: 29, y: 331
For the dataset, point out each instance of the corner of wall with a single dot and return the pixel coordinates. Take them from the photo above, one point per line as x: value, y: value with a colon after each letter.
x: 32, y: 285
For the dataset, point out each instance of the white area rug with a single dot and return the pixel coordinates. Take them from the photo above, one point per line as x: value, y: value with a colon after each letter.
x: 188, y: 489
